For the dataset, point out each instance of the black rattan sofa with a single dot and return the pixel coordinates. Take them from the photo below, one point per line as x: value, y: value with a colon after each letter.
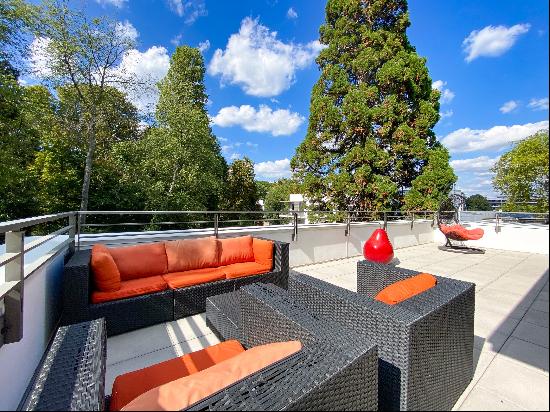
x: 138, y: 312
x: 425, y: 343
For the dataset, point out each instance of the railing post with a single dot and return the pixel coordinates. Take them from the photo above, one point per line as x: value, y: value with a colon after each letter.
x: 348, y: 224
x: 72, y: 232
x: 216, y: 224
x: 497, y: 224
x: 295, y: 228
x: 77, y: 217
x: 412, y: 220
x: 12, y: 330
x: 386, y: 221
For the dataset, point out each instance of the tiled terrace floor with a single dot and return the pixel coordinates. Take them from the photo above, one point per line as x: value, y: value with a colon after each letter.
x: 511, y: 325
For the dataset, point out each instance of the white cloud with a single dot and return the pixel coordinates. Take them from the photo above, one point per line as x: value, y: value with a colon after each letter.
x: 447, y: 95
x: 481, y: 163
x: 117, y: 3
x: 445, y: 114
x: 204, y: 45
x: 492, y: 41
x: 191, y: 9
x: 148, y: 68
x: 40, y: 59
x: 280, y: 122
x: 508, y: 106
x: 252, y: 145
x: 271, y: 170
x: 259, y: 62
x: 497, y: 137
x: 176, y: 40
x: 126, y: 30
x: 291, y: 13
x: 538, y: 104
x: 223, y: 139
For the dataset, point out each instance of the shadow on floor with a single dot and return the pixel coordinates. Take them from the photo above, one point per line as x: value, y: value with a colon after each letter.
x: 518, y: 312
x: 463, y: 250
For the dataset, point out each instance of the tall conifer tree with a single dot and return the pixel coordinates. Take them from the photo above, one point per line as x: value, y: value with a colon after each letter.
x: 372, y: 112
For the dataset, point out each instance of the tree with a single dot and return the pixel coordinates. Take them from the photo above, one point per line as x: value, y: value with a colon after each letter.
x: 478, y: 203
x: 521, y: 175
x: 262, y: 187
x: 84, y: 54
x: 180, y: 161
x: 15, y: 17
x: 279, y: 193
x: 19, y: 142
x: 242, y: 192
x: 372, y: 112
x: 58, y: 165
x: 431, y: 187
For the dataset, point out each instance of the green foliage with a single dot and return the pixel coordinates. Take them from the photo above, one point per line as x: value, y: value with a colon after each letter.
x: 262, y: 187
x: 15, y: 18
x: 521, y: 175
x: 478, y: 203
x: 18, y: 143
x: 280, y: 192
x: 242, y: 191
x: 433, y: 185
x: 178, y: 164
x: 372, y: 112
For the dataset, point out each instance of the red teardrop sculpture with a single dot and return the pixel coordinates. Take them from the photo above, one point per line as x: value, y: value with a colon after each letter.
x: 378, y: 248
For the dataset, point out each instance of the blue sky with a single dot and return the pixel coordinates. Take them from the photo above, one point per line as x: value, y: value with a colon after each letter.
x: 489, y: 59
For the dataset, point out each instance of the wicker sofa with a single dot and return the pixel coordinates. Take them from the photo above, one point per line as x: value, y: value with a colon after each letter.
x: 336, y: 370
x: 123, y: 315
x: 425, y: 343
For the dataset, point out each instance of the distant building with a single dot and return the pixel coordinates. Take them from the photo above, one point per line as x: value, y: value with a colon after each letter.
x: 297, y: 203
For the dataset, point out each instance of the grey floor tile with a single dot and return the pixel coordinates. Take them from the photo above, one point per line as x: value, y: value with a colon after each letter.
x: 537, y: 317
x: 522, y: 385
x: 525, y: 352
x: 532, y: 333
x: 480, y: 399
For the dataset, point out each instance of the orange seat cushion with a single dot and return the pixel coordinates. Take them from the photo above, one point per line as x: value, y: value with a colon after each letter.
x: 192, y: 254
x: 235, y: 250
x: 193, y: 277
x: 104, y: 270
x: 140, y: 261
x: 263, y: 251
x: 129, y: 386
x: 130, y: 288
x: 407, y: 288
x: 184, y: 392
x: 239, y: 270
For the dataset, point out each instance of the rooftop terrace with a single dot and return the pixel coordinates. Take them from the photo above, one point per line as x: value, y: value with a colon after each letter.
x: 511, y: 324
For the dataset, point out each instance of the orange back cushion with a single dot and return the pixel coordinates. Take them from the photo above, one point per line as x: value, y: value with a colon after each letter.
x: 104, y: 270
x: 235, y: 250
x: 184, y: 392
x: 129, y: 386
x: 407, y: 288
x: 140, y: 261
x: 263, y: 251
x: 192, y: 254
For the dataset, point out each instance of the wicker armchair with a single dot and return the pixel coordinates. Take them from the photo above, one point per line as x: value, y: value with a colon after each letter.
x: 336, y: 369
x: 425, y: 343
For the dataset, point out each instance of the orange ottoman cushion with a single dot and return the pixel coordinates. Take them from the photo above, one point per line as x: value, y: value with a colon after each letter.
x: 129, y: 386
x: 407, y: 288
x: 193, y: 277
x: 140, y: 261
x: 239, y: 270
x: 131, y: 288
x: 263, y: 251
x: 235, y: 250
x: 104, y: 270
x: 192, y: 254
x: 186, y: 391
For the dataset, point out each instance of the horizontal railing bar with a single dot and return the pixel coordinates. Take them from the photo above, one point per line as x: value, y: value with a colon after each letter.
x: 14, y: 225
x: 7, y: 287
x: 43, y: 239
x: 8, y: 257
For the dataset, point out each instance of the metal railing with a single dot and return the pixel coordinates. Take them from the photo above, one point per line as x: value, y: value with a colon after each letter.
x: 78, y: 226
x: 13, y: 262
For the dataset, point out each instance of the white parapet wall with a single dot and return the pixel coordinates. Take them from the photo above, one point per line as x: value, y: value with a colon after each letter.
x: 315, y: 243
x: 517, y: 237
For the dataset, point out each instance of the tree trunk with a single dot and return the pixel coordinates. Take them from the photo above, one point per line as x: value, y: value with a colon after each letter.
x: 88, y: 168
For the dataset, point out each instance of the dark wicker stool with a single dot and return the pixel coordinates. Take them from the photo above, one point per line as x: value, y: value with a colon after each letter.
x: 71, y: 376
x: 223, y: 313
